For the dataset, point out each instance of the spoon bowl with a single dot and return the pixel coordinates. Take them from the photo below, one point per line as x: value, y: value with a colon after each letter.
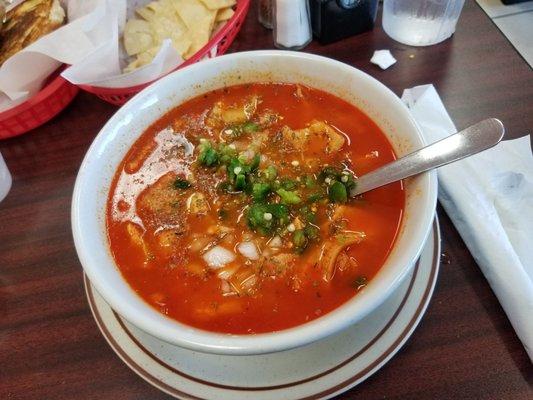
x: 469, y: 141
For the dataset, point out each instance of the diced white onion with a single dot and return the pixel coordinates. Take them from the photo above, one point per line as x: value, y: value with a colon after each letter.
x: 248, y: 250
x: 218, y: 256
x: 275, y: 242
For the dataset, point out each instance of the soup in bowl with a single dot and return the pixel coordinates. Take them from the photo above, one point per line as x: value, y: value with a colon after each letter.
x: 214, y: 211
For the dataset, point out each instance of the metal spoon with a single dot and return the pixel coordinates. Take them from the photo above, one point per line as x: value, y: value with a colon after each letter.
x: 469, y: 141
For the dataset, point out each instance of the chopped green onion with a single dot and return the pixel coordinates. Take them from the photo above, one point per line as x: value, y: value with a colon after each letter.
x: 260, y: 191
x: 337, y: 193
x: 255, y: 162
x: 256, y: 220
x: 266, y: 218
x: 288, y: 184
x: 207, y: 156
x: 348, y: 180
x: 281, y: 212
x: 306, y: 214
x: 315, y: 197
x: 238, y: 130
x: 299, y: 240
x: 270, y: 173
x: 309, y: 181
x: 249, y: 127
x: 240, y: 182
x: 329, y: 172
x: 226, y: 153
x: 288, y: 197
x: 312, y: 232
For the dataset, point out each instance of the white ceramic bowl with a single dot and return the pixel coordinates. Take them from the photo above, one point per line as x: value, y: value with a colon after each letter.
x: 116, y: 137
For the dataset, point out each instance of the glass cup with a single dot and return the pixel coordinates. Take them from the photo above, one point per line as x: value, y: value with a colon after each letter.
x: 421, y: 22
x: 5, y: 179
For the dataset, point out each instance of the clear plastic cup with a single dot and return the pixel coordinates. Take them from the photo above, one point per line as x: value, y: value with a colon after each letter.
x: 5, y: 179
x: 421, y: 22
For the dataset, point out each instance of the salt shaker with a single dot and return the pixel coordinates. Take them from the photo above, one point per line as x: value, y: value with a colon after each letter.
x: 292, y: 24
x: 265, y: 13
x: 5, y: 179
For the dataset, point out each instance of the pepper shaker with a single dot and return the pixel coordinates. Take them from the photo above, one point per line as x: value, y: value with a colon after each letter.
x: 334, y: 20
x: 292, y: 24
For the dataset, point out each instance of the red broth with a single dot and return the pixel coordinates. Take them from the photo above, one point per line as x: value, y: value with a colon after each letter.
x: 267, y: 165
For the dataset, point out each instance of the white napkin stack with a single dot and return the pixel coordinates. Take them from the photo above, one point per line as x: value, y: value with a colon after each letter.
x: 489, y: 198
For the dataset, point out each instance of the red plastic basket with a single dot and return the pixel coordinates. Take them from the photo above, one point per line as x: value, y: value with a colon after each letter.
x: 222, y: 40
x: 40, y: 108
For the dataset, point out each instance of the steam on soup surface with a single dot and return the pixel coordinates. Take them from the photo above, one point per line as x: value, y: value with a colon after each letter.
x: 232, y: 212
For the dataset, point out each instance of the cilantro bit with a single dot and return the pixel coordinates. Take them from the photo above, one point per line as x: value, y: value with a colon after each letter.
x: 236, y: 131
x: 360, y: 282
x: 180, y: 183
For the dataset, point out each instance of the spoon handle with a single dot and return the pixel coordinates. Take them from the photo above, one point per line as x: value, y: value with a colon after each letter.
x: 469, y: 141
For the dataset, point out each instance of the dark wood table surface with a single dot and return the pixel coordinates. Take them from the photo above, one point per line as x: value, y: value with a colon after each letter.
x: 464, y: 348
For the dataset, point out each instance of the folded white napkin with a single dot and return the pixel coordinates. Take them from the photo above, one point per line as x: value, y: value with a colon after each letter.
x: 489, y: 198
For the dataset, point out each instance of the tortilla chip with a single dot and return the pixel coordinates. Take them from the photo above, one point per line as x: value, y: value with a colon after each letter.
x: 143, y: 58
x: 181, y: 44
x: 217, y: 4
x: 137, y: 36
x: 146, y: 13
x: 199, y: 20
x: 194, y: 14
x: 224, y: 14
x: 189, y: 24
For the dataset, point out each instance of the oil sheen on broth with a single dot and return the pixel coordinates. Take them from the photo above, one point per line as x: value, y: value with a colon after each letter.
x: 232, y: 213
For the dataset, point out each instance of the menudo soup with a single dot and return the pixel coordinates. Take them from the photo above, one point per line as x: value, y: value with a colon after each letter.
x: 232, y: 213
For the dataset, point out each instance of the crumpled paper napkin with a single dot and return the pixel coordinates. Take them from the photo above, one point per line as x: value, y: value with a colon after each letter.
x: 383, y: 58
x: 489, y: 198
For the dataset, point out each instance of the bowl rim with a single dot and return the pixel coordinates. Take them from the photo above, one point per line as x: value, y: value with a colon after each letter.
x: 231, y: 344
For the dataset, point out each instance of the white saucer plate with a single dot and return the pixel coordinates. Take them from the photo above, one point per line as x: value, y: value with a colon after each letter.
x: 317, y: 371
